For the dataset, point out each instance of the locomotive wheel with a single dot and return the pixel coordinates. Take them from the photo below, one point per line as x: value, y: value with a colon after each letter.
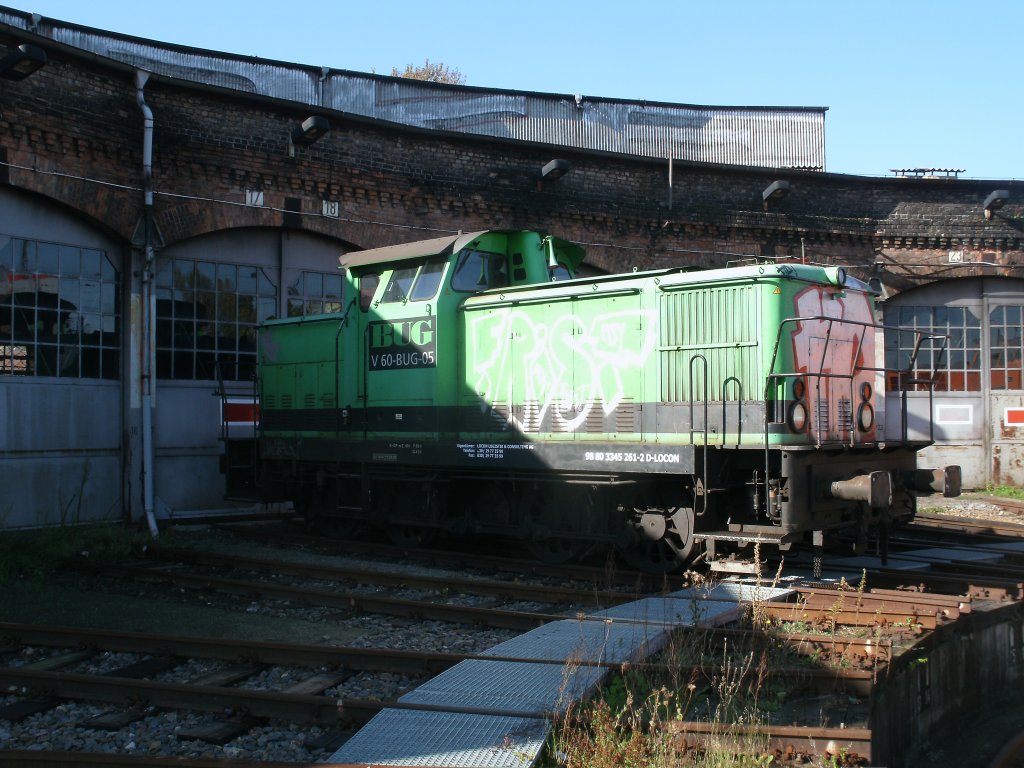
x: 553, y: 518
x: 659, y: 541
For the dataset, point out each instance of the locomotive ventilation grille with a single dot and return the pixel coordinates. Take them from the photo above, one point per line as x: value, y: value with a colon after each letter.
x: 845, y: 414
x: 530, y: 416
x: 625, y: 416
x: 821, y: 408
x: 711, y: 334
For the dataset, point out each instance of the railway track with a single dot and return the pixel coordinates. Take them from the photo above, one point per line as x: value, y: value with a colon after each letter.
x: 974, y: 527
x: 610, y: 575
x: 427, y: 609
x: 135, y: 689
x: 835, y: 642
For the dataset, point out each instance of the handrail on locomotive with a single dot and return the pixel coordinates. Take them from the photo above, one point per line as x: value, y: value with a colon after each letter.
x: 866, y: 488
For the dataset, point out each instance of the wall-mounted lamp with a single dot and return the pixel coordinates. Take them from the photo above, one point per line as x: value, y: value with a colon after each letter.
x: 555, y: 169
x: 22, y: 61
x: 311, y: 130
x: 995, y: 201
x: 775, y: 191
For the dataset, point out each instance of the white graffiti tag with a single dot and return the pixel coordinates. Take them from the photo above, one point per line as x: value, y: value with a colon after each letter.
x: 562, y: 362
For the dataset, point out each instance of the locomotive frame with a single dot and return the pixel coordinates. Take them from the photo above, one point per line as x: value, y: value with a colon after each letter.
x: 473, y: 384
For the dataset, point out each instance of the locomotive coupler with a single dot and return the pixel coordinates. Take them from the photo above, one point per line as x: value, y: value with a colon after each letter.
x: 874, y: 488
x: 944, y: 480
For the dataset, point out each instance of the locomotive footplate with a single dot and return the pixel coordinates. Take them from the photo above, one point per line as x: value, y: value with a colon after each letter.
x: 775, y: 539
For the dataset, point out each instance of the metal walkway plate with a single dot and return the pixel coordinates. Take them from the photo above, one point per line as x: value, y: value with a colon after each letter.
x: 496, y: 709
x: 513, y: 688
x: 582, y: 640
x: 952, y: 555
x: 409, y: 737
x: 672, y: 611
x: 734, y: 591
x: 1010, y: 546
x: 870, y: 562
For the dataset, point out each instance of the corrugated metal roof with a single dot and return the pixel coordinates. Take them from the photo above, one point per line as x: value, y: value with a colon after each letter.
x: 773, y: 137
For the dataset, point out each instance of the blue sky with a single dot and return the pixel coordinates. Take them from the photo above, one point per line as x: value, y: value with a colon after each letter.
x: 908, y: 83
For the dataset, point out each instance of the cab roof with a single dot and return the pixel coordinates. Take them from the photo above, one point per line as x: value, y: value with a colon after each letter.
x: 439, y: 246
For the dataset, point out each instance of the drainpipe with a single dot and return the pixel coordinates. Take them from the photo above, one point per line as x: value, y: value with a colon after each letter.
x: 148, y: 306
x: 324, y: 72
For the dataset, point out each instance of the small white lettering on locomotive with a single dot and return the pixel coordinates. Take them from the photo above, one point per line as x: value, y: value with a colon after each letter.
x: 632, y: 457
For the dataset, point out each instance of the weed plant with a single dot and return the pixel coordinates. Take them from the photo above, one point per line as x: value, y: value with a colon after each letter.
x: 32, y: 554
x: 1005, y: 491
x: 701, y: 678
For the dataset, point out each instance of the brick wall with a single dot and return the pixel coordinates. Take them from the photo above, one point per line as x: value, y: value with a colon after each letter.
x: 76, y: 123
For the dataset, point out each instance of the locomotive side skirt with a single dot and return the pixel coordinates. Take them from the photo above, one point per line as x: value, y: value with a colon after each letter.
x: 505, y: 456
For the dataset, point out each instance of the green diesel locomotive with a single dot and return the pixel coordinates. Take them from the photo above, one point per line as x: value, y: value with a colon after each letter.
x: 474, y: 384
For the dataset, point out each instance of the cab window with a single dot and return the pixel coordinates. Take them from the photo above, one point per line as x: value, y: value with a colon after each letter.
x: 559, y: 273
x: 428, y: 281
x: 399, y: 286
x: 368, y: 283
x: 417, y: 283
x: 477, y: 270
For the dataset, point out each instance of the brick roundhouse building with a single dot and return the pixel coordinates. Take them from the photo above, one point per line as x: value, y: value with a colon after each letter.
x: 158, y: 202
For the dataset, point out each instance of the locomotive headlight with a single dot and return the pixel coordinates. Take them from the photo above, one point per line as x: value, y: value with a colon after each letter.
x: 865, y: 391
x: 797, y: 419
x: 799, y: 389
x: 865, y: 417
x: 836, y: 275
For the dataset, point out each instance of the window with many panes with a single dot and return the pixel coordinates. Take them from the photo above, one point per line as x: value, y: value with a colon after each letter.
x: 954, y: 361
x: 1006, y: 345
x: 206, y: 319
x: 314, y: 293
x: 60, y: 310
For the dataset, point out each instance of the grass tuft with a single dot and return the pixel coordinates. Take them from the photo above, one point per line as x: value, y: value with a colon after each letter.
x: 32, y: 554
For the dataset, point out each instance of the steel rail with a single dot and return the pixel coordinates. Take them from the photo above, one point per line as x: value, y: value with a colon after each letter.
x: 913, y: 604
x: 377, y: 660
x: 940, y: 537
x: 349, y: 601
x: 845, y: 616
x: 506, y: 589
x: 36, y: 759
x: 204, y: 698
x: 970, y: 525
x: 789, y: 742
x: 604, y: 575
x: 947, y: 582
x: 876, y: 651
x: 289, y: 654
